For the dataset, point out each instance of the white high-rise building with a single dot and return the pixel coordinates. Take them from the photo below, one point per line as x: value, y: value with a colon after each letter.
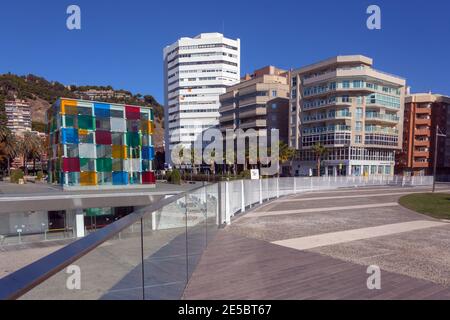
x: 196, y: 72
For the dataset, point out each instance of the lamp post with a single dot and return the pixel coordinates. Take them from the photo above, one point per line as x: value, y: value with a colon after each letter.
x: 438, y: 134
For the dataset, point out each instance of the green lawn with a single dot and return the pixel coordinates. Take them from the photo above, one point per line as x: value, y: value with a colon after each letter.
x: 436, y: 205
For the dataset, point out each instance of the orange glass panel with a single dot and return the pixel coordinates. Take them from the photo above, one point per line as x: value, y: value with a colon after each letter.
x: 152, y: 127
x: 88, y: 178
x: 119, y: 152
x: 69, y: 107
x: 83, y: 132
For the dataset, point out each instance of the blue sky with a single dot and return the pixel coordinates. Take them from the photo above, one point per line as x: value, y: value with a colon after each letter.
x: 121, y: 42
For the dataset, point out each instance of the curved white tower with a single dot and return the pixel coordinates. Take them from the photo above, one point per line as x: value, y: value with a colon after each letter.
x: 196, y: 72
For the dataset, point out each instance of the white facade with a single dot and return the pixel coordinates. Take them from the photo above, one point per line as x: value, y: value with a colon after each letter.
x: 196, y: 72
x: 355, y: 111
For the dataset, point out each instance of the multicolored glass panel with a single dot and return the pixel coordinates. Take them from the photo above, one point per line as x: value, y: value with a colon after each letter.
x: 100, y: 144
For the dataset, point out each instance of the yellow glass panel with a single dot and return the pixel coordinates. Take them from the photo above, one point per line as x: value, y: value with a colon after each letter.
x: 152, y: 127
x: 83, y: 132
x: 145, y: 126
x: 88, y: 178
x: 119, y: 152
x: 69, y: 107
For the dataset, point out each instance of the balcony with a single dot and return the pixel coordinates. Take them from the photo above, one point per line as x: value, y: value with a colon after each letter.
x: 382, y: 130
x: 334, y: 103
x: 419, y: 164
x: 253, y: 124
x: 378, y: 117
x: 423, y: 111
x: 421, y: 143
x: 423, y: 122
x: 329, y: 129
x: 422, y: 132
x: 421, y: 154
x: 226, y: 118
x: 328, y: 117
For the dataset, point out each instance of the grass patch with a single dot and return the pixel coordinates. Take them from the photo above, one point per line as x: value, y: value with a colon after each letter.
x: 436, y: 205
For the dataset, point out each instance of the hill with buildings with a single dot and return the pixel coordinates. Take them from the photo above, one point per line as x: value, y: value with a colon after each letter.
x: 41, y: 94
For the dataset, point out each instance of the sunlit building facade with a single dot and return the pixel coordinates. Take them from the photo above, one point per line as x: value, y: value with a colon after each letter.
x: 350, y: 108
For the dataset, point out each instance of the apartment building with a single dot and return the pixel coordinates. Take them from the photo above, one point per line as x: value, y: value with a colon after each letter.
x: 424, y: 112
x: 196, y: 72
x: 18, y: 114
x: 260, y: 102
x: 353, y: 110
x: 101, y: 145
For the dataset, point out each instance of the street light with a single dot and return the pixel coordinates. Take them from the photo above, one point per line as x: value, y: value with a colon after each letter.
x: 438, y: 134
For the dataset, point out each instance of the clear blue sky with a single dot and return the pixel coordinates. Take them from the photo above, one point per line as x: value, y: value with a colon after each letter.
x: 121, y: 42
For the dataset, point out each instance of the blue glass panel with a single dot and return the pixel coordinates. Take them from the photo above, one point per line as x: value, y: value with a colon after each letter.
x: 69, y: 135
x: 102, y: 110
x: 120, y: 178
x: 148, y: 153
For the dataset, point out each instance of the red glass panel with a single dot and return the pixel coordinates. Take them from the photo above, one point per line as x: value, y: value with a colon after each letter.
x: 103, y: 137
x: 148, y: 178
x: 71, y: 165
x: 133, y: 113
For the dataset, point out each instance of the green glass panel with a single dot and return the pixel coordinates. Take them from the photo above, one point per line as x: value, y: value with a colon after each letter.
x: 95, y: 212
x: 152, y: 115
x: 133, y: 139
x: 86, y: 122
x: 87, y: 164
x: 104, y: 165
x: 70, y: 121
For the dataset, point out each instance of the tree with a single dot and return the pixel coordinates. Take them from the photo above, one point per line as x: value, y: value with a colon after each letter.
x: 9, y: 147
x: 319, y: 150
x: 30, y: 146
x: 286, y: 153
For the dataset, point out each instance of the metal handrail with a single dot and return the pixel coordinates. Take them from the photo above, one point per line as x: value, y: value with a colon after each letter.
x: 23, y: 280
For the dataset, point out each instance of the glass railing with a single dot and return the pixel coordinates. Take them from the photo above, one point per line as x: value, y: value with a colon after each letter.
x: 379, y: 116
x: 152, y: 252
x: 338, y: 128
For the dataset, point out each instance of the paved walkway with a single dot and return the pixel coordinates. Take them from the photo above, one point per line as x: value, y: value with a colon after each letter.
x: 319, y: 245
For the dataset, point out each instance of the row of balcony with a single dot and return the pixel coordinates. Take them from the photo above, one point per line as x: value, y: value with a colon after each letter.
x: 327, y: 129
x: 382, y: 117
x: 381, y: 130
x: 328, y: 116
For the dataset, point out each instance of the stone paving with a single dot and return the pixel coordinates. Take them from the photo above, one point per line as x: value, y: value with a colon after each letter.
x: 250, y: 258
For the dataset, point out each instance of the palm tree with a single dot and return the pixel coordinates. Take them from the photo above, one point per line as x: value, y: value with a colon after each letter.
x: 38, y: 147
x: 9, y: 148
x: 27, y: 148
x: 319, y: 151
x: 286, y: 153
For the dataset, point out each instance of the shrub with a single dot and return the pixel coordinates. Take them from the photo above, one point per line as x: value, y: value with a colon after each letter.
x: 175, y: 177
x: 39, y: 176
x: 16, y: 175
x: 245, y: 174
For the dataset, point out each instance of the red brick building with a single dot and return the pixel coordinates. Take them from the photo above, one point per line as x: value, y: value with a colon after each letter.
x: 423, y: 113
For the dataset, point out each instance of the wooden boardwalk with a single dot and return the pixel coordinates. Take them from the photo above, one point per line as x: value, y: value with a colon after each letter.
x: 236, y: 267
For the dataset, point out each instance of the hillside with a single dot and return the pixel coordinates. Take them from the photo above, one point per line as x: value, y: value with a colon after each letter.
x: 41, y: 94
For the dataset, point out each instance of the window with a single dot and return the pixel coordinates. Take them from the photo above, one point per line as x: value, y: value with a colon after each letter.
x: 346, y: 84
x: 358, y: 139
x: 274, y: 93
x: 357, y: 84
